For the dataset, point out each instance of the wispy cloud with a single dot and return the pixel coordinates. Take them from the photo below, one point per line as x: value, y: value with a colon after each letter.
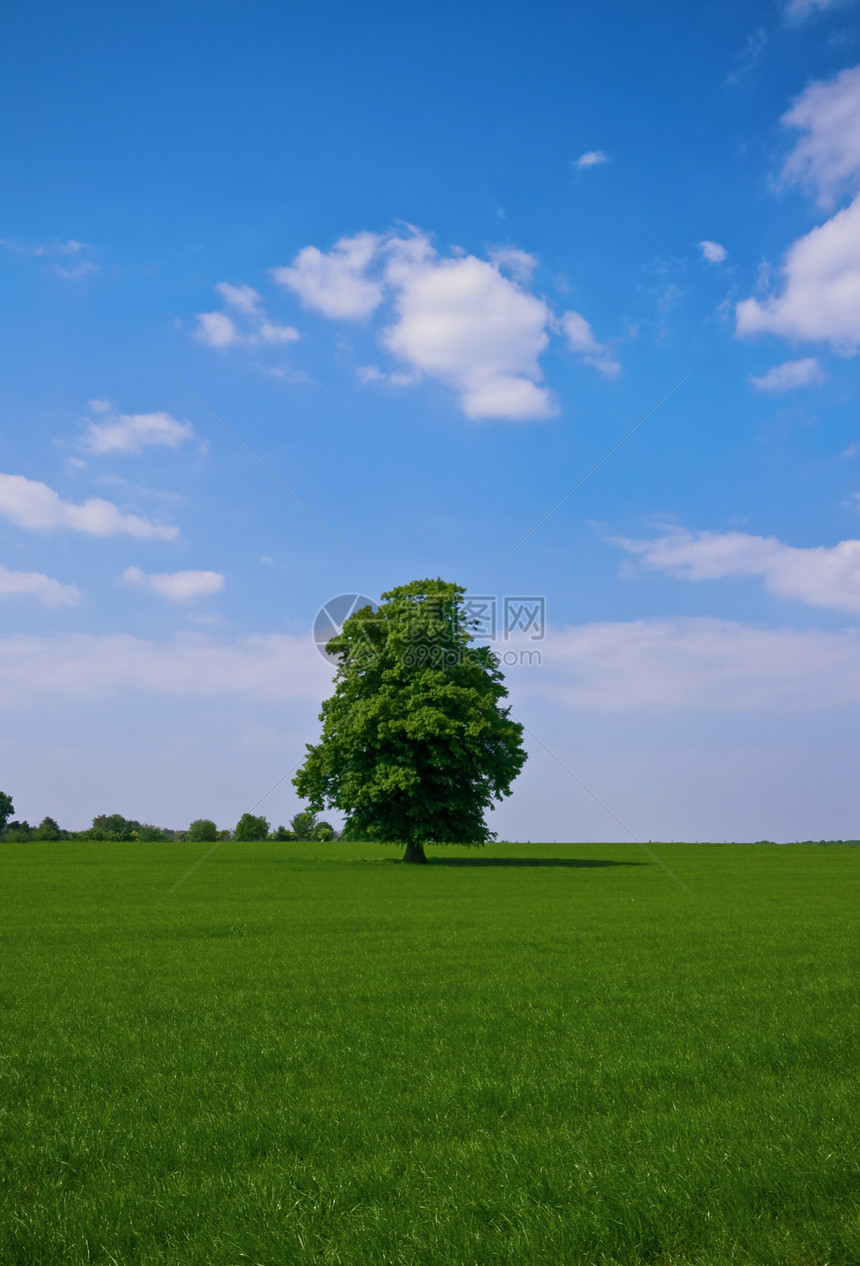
x: 76, y: 252
x: 591, y: 158
x: 821, y: 576
x: 749, y: 56
x: 132, y: 432
x: 33, y: 505
x: 695, y: 664
x: 800, y: 10
x: 713, y: 252
x: 189, y: 665
x: 649, y: 665
x: 790, y: 375
x: 177, y: 586
x: 826, y: 158
x: 580, y: 338
x: 246, y: 322
x: 34, y: 584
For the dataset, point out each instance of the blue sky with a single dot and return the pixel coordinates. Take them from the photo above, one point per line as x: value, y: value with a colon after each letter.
x: 429, y: 263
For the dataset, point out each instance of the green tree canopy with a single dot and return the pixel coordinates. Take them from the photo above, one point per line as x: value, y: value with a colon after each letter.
x: 202, y: 829
x: 303, y: 824
x: 250, y: 828
x: 7, y: 808
x: 48, y: 829
x: 113, y: 826
x: 416, y: 745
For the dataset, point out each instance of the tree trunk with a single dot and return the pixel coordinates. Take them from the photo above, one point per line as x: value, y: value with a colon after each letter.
x: 415, y: 853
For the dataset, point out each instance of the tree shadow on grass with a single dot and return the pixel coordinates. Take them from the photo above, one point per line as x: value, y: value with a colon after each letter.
x: 571, y: 862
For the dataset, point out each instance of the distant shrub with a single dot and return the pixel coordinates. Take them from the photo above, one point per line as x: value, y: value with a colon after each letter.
x: 250, y: 828
x: 17, y: 832
x: 202, y: 830
x: 48, y: 829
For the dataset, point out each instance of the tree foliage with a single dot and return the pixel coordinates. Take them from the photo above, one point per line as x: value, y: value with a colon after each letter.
x: 7, y: 808
x: 307, y: 826
x: 250, y: 828
x: 416, y: 745
x: 202, y: 830
x: 48, y: 829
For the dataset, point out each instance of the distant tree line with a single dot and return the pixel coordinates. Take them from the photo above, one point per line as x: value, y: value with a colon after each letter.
x: 113, y: 827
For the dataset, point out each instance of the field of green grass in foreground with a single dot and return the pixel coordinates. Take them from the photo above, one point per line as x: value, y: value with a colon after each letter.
x: 315, y: 1054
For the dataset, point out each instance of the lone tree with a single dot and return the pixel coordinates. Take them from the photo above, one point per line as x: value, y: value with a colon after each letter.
x: 415, y: 744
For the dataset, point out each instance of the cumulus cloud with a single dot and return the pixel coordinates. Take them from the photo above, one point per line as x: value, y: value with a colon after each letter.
x: 272, y: 666
x: 462, y: 321
x: 468, y: 322
x: 581, y: 340
x: 591, y: 158
x: 250, y: 326
x: 33, y: 584
x: 826, y: 159
x: 132, y: 432
x: 33, y: 505
x: 790, y: 375
x: 820, y: 297
x: 336, y: 283
x: 822, y: 576
x: 713, y: 252
x: 177, y: 586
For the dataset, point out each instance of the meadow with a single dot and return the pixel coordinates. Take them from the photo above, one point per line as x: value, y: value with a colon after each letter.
x: 311, y: 1053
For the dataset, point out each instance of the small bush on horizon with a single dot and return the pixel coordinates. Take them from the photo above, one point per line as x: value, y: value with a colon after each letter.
x: 251, y: 828
x: 202, y: 830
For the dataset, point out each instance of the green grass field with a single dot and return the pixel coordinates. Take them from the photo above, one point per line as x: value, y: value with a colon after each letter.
x: 312, y: 1053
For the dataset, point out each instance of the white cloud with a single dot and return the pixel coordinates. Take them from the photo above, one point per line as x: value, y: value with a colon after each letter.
x: 822, y: 576
x: 820, y: 295
x: 469, y: 322
x: 55, y: 250
x: 696, y: 663
x: 591, y: 158
x: 132, y: 432
x: 462, y: 321
x: 244, y: 298
x: 820, y: 298
x: 827, y: 158
x: 621, y: 667
x: 216, y: 329
x: 177, y: 586
x: 33, y: 505
x: 800, y: 9
x: 713, y: 252
x: 220, y: 330
x: 265, y: 667
x: 790, y: 375
x: 335, y: 283
x: 582, y: 341
x: 749, y: 56
x: 520, y: 264
x: 51, y: 593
